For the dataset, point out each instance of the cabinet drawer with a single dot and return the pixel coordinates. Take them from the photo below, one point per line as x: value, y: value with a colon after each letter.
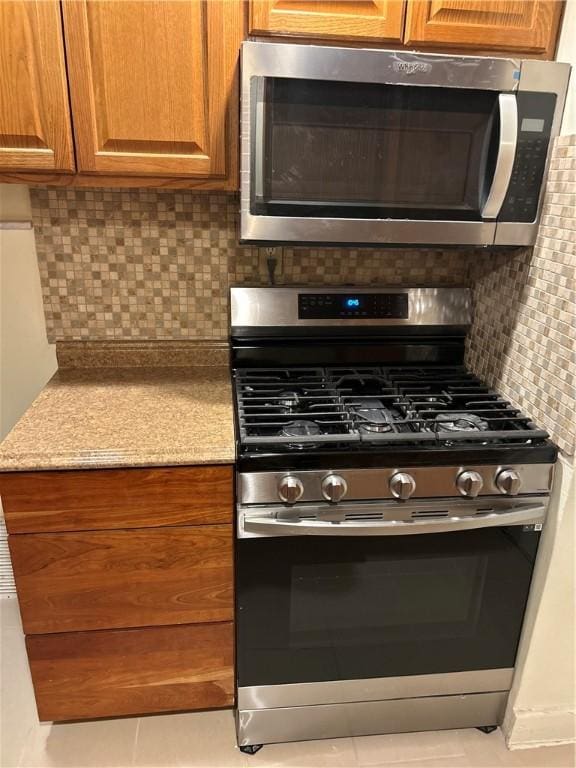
x: 81, y: 675
x: 116, y: 498
x: 108, y: 579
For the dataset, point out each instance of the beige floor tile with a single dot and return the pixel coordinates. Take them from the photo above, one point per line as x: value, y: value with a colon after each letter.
x: 407, y: 747
x: 563, y: 756
x: 190, y: 739
x: 490, y: 751
x: 102, y: 743
x: 338, y: 753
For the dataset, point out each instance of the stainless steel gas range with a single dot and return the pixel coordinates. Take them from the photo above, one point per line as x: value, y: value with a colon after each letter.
x: 389, y: 509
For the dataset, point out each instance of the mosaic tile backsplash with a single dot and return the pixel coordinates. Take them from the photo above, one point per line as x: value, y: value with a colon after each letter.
x: 141, y: 264
x: 523, y: 339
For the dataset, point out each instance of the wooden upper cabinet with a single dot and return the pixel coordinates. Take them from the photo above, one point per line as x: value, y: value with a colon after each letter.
x: 153, y: 85
x: 35, y: 129
x: 523, y: 26
x: 380, y: 20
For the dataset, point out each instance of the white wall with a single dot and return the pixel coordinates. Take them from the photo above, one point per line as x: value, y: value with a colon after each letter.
x: 27, y: 361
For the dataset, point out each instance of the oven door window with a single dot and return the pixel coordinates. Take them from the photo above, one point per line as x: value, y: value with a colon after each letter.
x: 312, y: 609
x: 356, y: 150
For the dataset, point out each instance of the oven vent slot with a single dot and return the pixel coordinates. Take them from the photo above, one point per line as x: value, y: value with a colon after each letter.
x: 430, y: 513
x: 363, y: 516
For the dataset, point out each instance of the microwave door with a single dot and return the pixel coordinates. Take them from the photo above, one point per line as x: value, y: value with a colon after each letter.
x: 332, y: 162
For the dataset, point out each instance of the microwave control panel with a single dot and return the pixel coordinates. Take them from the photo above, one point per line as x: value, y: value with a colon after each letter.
x: 535, y: 115
x: 352, y: 306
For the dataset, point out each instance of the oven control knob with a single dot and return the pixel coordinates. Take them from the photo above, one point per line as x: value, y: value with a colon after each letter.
x: 508, y: 482
x: 469, y: 483
x: 334, y: 487
x: 290, y: 489
x: 402, y: 485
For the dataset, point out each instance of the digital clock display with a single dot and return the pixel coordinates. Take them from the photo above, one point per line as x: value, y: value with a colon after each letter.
x: 353, y: 307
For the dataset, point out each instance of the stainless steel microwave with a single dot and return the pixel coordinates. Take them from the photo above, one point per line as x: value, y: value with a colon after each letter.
x: 364, y: 146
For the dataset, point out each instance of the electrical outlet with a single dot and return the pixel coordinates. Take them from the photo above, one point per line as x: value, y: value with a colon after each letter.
x: 271, y: 252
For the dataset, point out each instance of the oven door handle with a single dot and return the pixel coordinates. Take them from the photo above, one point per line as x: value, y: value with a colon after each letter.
x: 268, y: 526
x: 508, y: 119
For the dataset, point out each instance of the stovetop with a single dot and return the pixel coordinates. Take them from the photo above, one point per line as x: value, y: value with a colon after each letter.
x: 305, y: 410
x: 318, y: 385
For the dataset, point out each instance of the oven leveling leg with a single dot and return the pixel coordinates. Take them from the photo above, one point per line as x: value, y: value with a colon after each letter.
x: 251, y: 749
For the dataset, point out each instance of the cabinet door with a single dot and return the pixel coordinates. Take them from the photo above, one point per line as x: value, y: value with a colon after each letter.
x: 153, y: 85
x: 525, y: 26
x: 330, y: 19
x: 35, y: 130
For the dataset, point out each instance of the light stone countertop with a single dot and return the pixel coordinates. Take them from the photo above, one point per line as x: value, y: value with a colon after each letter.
x: 125, y: 417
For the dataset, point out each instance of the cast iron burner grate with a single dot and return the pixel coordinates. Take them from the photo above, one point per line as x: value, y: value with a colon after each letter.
x: 308, y: 407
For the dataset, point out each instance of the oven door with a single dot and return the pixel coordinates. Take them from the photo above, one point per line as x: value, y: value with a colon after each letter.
x: 341, y: 145
x: 395, y: 601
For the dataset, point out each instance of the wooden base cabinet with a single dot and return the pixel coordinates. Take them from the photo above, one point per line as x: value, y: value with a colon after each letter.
x: 125, y: 585
x: 70, y: 582
x: 80, y: 675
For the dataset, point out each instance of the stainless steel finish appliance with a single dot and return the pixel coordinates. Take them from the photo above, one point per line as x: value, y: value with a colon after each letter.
x: 389, y: 508
x: 364, y: 146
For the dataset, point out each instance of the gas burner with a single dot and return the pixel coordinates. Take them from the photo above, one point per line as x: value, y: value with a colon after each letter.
x: 460, y: 422
x: 300, y: 428
x: 289, y: 400
x: 432, y: 400
x: 373, y: 416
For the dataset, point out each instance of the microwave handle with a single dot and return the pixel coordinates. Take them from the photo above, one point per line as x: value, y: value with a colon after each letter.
x: 259, y: 138
x: 508, y: 118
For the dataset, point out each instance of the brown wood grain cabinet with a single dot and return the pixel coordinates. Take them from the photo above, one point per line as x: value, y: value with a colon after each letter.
x: 132, y: 578
x: 85, y: 500
x: 81, y: 675
x: 522, y: 26
x: 527, y: 27
x: 125, y: 586
x: 376, y: 20
x: 153, y: 85
x: 35, y: 126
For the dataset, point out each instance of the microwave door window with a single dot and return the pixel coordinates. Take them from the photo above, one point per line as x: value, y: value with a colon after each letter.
x: 373, y: 151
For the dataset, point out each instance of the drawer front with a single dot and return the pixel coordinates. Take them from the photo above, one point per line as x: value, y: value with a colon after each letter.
x: 81, y: 675
x: 116, y: 498
x: 109, y: 579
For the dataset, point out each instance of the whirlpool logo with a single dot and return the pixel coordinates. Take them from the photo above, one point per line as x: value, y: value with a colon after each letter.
x: 411, y: 67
